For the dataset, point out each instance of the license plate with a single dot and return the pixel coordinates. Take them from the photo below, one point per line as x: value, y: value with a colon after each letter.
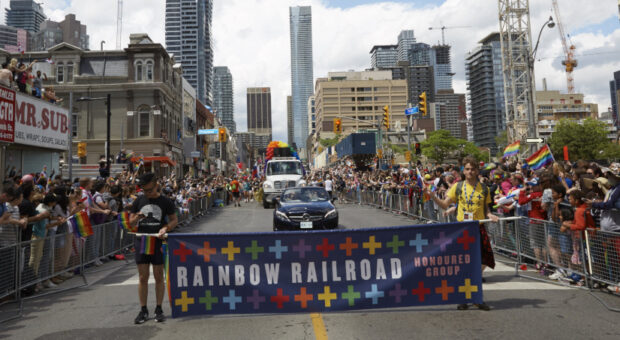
x: 305, y: 225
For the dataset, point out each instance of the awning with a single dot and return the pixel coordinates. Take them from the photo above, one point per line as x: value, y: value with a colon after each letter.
x: 164, y: 159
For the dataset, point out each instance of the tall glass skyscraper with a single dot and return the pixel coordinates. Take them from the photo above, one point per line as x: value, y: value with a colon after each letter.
x: 25, y: 14
x: 405, y: 41
x: 223, y: 96
x: 189, y: 38
x: 302, y: 77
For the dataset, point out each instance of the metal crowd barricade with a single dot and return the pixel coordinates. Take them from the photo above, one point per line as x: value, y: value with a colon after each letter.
x: 603, y: 249
x: 26, y: 263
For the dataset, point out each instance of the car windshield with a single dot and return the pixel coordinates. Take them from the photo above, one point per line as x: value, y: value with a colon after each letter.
x: 284, y: 168
x: 299, y: 195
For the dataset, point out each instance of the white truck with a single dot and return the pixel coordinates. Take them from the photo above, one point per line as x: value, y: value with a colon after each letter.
x: 281, y: 173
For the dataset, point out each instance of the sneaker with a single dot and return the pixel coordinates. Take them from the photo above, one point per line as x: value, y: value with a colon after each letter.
x: 483, y: 306
x: 575, y: 277
x: 67, y: 275
x: 556, y: 275
x: 142, y: 317
x: 462, y: 306
x: 159, y: 315
x: 48, y: 284
x: 97, y: 263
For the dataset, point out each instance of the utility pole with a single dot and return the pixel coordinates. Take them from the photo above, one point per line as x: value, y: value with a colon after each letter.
x: 409, y: 136
x: 70, y: 153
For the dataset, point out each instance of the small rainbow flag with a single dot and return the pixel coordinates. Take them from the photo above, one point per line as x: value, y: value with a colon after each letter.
x: 147, y: 245
x: 540, y: 158
x: 512, y: 149
x: 80, y: 224
x: 123, y: 222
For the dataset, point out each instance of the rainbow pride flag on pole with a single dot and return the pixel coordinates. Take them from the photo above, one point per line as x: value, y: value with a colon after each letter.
x: 512, y: 150
x: 540, y: 158
x: 147, y: 245
x: 123, y: 222
x: 80, y: 224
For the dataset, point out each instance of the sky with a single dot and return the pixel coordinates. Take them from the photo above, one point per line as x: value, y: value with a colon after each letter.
x: 252, y: 38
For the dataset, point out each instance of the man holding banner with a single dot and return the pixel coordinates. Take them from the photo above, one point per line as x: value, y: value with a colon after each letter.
x: 472, y: 199
x: 153, y: 214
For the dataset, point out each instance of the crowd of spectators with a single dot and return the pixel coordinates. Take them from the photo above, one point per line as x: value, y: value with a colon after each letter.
x: 21, y: 77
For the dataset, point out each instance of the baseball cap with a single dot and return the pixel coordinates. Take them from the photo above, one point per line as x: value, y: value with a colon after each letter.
x: 532, y: 182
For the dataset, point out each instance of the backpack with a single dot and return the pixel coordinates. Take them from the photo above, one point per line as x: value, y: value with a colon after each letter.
x: 485, y: 192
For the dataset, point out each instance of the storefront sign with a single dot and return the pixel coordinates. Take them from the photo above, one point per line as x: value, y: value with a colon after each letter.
x: 7, y: 115
x: 40, y: 123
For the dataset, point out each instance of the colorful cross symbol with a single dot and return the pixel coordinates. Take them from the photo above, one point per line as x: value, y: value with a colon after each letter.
x: 371, y: 245
x: 303, y: 297
x: 278, y: 249
x: 182, y: 251
x: 280, y: 299
x: 442, y: 241
x: 397, y: 293
x: 206, y: 252
x: 231, y: 250
x: 327, y: 296
x: 255, y: 299
x: 351, y: 295
x: 325, y: 247
x: 232, y: 300
x: 254, y: 250
x: 444, y: 290
x: 184, y: 301
x: 468, y: 289
x: 374, y: 294
x: 302, y: 248
x: 418, y: 243
x: 348, y: 246
x: 395, y: 244
x: 465, y: 240
x: 421, y: 291
x: 208, y: 300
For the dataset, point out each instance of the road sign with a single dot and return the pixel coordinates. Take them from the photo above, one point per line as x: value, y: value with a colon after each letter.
x: 195, y: 154
x: 535, y: 140
x: 207, y: 132
x: 412, y: 110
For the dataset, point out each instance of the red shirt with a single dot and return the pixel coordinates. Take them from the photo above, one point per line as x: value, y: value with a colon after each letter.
x: 535, y: 198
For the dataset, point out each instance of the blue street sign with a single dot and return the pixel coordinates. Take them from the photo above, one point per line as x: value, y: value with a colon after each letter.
x: 207, y: 132
x: 412, y: 110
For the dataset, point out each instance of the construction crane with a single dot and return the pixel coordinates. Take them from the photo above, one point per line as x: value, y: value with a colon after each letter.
x: 569, y: 51
x: 443, y: 28
x: 119, y: 24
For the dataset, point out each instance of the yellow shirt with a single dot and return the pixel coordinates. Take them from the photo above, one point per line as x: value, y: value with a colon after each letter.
x: 476, y: 205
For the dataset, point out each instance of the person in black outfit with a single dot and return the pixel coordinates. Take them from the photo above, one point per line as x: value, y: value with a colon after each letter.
x: 153, y: 213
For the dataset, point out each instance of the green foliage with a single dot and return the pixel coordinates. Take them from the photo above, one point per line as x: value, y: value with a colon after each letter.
x: 585, y: 141
x: 398, y: 149
x: 329, y: 142
x: 502, y: 142
x: 440, y: 145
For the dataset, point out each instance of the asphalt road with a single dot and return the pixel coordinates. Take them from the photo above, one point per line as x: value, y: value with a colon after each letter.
x: 106, y: 307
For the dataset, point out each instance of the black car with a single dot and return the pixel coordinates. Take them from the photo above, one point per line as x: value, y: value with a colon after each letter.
x: 304, y: 208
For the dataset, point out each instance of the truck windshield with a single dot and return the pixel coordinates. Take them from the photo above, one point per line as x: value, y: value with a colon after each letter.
x: 284, y: 168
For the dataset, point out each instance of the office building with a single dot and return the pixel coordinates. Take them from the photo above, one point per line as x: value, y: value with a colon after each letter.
x: 25, y: 14
x: 406, y: 39
x: 311, y: 115
x: 13, y: 39
x: 419, y: 54
x: 450, y: 113
x: 53, y: 33
x: 290, y: 136
x: 438, y: 57
x: 223, y: 97
x: 383, y: 56
x: 552, y: 106
x: 485, y: 85
x: 614, y: 87
x: 259, y: 114
x: 189, y: 39
x: 301, y: 69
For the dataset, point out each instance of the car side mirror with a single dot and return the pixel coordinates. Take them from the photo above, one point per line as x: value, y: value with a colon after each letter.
x: 275, y: 200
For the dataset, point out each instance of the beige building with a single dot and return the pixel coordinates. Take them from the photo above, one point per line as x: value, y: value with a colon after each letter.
x: 361, y: 96
x: 551, y: 106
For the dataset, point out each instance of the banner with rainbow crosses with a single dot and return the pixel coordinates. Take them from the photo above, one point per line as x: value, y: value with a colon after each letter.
x: 320, y: 271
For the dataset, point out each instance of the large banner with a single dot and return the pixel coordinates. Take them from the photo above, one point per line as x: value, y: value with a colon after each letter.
x: 320, y: 271
x: 40, y: 123
x: 7, y: 115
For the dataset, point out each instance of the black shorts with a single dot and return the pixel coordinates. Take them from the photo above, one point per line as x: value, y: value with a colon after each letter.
x: 156, y: 259
x: 235, y: 194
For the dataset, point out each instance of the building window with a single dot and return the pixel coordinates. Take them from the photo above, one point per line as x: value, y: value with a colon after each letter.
x: 149, y: 71
x: 74, y: 125
x: 60, y: 73
x: 70, y: 72
x: 144, y: 124
x: 139, y: 70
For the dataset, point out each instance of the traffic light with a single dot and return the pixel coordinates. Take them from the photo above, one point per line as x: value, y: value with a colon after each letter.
x: 380, y: 153
x: 417, y: 149
x: 386, y: 117
x: 422, y: 104
x: 222, y: 135
x: 337, y: 125
x: 81, y: 150
x: 408, y: 156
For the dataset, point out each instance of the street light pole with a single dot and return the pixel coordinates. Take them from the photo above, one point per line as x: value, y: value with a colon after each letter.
x: 532, y: 121
x: 109, y: 118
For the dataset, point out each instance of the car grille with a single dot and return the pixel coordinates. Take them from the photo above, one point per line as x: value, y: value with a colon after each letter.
x: 299, y: 218
x: 283, y: 184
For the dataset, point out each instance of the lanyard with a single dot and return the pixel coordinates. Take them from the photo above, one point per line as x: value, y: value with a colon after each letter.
x: 469, y: 201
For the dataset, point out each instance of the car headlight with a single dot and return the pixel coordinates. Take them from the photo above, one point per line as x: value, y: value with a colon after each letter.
x: 302, y: 183
x: 331, y: 213
x: 267, y: 185
x: 282, y: 215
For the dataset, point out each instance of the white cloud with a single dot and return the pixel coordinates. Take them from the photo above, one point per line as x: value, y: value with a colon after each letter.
x: 252, y: 38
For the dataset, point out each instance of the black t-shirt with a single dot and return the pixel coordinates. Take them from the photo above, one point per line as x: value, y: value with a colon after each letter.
x: 156, y: 211
x: 26, y: 208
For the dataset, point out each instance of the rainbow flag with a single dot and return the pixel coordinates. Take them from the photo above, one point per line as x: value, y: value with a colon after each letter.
x: 147, y: 245
x: 123, y: 222
x: 540, y: 158
x: 512, y: 149
x: 80, y: 224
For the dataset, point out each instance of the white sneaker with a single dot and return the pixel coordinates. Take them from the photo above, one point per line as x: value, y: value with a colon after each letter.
x: 556, y: 275
x: 48, y: 284
x: 67, y: 275
x: 98, y: 263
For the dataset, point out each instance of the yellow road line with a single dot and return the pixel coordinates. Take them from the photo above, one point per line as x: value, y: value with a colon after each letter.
x: 319, y: 327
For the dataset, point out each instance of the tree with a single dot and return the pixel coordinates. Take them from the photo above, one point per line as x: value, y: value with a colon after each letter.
x: 329, y: 142
x: 585, y: 141
x: 502, y: 142
x: 440, y: 144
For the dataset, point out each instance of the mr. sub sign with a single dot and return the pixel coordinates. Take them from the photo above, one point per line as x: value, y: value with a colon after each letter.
x: 35, y: 122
